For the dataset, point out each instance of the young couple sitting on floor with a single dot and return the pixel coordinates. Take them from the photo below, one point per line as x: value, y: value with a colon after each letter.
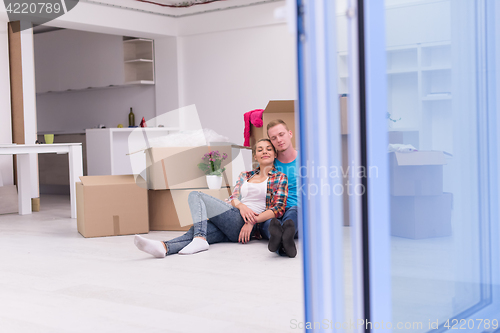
x: 264, y: 201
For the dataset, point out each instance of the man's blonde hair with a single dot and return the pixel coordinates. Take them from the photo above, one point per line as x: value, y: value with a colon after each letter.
x: 275, y: 122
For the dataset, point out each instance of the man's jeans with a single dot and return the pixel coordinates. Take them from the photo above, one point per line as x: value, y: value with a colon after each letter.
x: 224, y: 225
x: 290, y: 214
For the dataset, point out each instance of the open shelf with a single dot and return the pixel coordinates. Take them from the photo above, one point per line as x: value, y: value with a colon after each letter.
x: 140, y: 82
x: 127, y: 40
x: 419, y: 91
x: 437, y: 97
x: 138, y: 61
x: 402, y: 71
x: 402, y: 59
x: 436, y: 55
x: 436, y: 68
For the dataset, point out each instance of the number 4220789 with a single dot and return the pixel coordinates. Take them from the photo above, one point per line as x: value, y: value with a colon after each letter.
x: 33, y: 8
x: 464, y: 324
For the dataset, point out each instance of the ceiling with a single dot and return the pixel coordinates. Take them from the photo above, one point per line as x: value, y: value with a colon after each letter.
x: 179, y: 4
x: 179, y: 8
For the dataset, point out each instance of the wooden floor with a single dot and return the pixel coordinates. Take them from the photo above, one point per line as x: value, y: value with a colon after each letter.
x: 54, y: 280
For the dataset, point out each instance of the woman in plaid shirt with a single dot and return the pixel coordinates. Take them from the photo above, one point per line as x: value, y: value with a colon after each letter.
x: 259, y: 195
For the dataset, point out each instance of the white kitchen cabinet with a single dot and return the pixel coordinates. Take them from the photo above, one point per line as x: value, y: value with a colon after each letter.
x: 75, y: 60
x: 139, y: 61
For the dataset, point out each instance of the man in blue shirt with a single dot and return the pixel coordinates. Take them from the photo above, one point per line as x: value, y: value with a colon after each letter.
x: 281, y: 232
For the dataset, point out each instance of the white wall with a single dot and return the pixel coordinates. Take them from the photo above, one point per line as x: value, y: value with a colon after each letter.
x: 228, y: 73
x: 76, y: 111
x: 6, y: 169
x: 166, y: 80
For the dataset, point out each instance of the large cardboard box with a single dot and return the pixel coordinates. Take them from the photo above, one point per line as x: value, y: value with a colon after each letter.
x: 8, y: 199
x: 417, y: 173
x: 111, y: 205
x: 169, y: 209
x: 421, y: 216
x: 177, y: 167
x: 285, y: 110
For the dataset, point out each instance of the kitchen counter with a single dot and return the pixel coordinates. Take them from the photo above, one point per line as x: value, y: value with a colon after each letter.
x: 108, y: 149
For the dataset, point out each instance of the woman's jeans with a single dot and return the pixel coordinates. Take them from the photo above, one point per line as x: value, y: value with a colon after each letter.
x: 224, y: 225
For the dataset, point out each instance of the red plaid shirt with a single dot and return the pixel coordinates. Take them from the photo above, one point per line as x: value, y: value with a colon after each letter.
x: 277, y: 189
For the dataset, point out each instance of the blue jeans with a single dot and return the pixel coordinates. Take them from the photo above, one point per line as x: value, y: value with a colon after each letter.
x: 290, y: 214
x: 224, y: 225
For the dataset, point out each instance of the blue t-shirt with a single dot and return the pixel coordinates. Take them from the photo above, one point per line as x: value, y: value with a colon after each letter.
x: 291, y: 171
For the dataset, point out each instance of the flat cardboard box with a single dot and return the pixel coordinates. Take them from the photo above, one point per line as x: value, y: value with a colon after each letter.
x: 177, y: 167
x: 169, y: 209
x: 111, y: 205
x: 285, y: 110
x: 8, y: 199
x: 421, y: 217
x: 417, y: 173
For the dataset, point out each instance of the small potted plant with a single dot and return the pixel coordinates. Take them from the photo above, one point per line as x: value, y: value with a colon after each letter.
x: 211, y: 166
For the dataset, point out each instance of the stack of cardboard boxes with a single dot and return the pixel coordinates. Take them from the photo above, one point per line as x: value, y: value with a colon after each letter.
x: 128, y: 204
x: 419, y: 207
x: 172, y: 174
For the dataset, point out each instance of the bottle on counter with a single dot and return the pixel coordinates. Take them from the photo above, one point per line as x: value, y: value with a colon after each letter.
x: 131, y: 119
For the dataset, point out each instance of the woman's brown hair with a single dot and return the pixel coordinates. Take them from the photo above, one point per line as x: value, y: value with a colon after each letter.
x: 254, y: 148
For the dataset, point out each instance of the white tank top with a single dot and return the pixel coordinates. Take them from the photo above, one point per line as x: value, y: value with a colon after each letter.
x: 253, y: 195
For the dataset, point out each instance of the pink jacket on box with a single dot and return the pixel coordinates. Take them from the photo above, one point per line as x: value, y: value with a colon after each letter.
x: 253, y: 117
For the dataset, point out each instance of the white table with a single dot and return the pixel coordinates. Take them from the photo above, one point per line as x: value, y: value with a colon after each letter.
x: 74, y: 151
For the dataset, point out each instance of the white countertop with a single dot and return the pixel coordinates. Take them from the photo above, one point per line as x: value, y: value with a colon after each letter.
x: 112, y: 129
x: 64, y: 132
x: 38, y: 145
x: 130, y: 129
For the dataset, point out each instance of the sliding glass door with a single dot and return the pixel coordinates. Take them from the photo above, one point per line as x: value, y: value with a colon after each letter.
x: 422, y: 79
x: 441, y: 148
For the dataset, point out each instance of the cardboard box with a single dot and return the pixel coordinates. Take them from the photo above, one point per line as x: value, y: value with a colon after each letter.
x: 8, y: 199
x: 421, y: 216
x: 285, y: 110
x: 169, y: 209
x: 417, y: 173
x: 177, y: 167
x: 111, y: 206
